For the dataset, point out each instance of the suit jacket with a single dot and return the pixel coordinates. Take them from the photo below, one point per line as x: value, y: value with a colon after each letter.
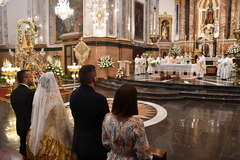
x: 21, y: 101
x: 88, y: 109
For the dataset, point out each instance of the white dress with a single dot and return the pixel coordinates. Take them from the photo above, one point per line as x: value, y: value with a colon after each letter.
x: 51, y: 131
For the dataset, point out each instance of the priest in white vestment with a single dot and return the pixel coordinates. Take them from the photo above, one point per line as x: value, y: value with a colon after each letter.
x: 137, y: 61
x: 201, y: 66
x: 151, y: 68
x: 219, y: 65
x: 143, y: 63
x: 226, y: 68
x: 159, y: 62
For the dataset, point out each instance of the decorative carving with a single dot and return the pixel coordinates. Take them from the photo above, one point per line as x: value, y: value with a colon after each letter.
x: 165, y: 22
x: 81, y: 52
x: 236, y: 33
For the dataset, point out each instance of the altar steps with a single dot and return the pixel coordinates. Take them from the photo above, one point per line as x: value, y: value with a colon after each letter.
x: 154, y: 91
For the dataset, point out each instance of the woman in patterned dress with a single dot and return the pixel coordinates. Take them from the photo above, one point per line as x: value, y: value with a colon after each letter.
x: 122, y: 132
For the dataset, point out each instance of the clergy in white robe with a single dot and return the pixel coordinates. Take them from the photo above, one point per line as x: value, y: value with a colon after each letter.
x: 201, y: 66
x: 219, y: 65
x: 151, y: 68
x: 143, y: 63
x: 137, y: 61
x: 159, y: 62
x: 226, y: 68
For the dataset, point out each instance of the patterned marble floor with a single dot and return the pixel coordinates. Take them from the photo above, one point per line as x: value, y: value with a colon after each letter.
x: 193, y: 130
x: 207, y: 80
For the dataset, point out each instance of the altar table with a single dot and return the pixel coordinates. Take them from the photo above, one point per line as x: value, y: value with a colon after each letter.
x: 179, y: 68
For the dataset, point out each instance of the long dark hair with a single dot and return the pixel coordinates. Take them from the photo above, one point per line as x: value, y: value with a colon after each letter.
x: 125, y: 101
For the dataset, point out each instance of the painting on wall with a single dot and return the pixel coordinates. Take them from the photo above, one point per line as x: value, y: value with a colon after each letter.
x: 139, y: 20
x: 58, y: 27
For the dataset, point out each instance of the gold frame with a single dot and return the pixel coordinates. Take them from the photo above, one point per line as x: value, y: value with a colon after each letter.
x: 165, y: 17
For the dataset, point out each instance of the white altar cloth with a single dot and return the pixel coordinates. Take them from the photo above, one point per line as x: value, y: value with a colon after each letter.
x: 189, y: 68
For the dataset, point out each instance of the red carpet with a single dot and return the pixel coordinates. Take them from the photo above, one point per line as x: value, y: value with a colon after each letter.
x: 4, y: 91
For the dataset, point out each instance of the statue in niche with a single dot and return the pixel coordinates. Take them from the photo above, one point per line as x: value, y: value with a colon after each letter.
x: 165, y: 31
x: 210, y: 14
x: 27, y: 44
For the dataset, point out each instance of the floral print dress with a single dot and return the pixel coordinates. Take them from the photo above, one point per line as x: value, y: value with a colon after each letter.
x: 126, y: 138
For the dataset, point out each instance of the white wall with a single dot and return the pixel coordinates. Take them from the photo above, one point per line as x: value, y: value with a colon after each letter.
x: 16, y: 9
x: 169, y: 7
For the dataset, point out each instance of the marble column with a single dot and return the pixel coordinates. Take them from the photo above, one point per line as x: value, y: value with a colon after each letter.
x: 182, y: 20
x: 223, y: 17
x: 234, y: 17
x: 1, y: 25
x: 192, y: 19
x: 177, y: 25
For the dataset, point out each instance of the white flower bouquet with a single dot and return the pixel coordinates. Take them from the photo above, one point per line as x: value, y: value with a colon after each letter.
x: 233, y: 49
x: 176, y: 50
x: 154, y: 63
x: 105, y: 62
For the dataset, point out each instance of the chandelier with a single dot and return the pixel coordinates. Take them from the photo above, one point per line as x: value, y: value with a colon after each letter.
x: 62, y: 10
x: 98, y: 11
x: 3, y: 2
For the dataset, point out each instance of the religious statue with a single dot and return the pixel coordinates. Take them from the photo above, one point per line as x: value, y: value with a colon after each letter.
x: 210, y: 14
x: 164, y: 31
x: 27, y: 44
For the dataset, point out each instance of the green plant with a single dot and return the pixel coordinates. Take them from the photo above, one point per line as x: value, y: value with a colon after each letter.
x: 176, y: 50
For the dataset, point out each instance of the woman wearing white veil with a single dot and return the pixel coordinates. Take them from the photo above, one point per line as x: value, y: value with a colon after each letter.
x: 50, y: 136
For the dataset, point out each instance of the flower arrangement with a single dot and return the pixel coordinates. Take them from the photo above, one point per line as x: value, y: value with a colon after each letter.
x: 57, y: 70
x: 20, y: 30
x: 120, y: 73
x: 233, y: 49
x: 154, y: 63
x: 145, y: 55
x: 105, y: 62
x: 175, y: 50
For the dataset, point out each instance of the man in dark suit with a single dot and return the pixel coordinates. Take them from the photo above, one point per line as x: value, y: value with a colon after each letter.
x: 21, y: 101
x: 88, y: 109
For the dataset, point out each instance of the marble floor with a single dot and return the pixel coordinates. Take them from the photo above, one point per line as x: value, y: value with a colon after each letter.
x: 193, y: 130
x: 207, y: 80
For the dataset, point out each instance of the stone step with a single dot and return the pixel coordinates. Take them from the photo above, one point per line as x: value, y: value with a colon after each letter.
x: 159, y: 93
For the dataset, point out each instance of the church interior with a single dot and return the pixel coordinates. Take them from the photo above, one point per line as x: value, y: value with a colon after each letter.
x: 183, y: 56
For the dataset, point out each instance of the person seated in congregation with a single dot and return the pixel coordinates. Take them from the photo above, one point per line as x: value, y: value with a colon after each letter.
x: 51, y: 132
x: 122, y: 131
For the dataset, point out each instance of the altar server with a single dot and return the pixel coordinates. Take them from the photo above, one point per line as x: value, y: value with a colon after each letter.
x: 201, y: 65
x: 226, y: 68
x: 143, y: 62
x: 151, y: 68
x: 137, y: 61
x: 219, y: 64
